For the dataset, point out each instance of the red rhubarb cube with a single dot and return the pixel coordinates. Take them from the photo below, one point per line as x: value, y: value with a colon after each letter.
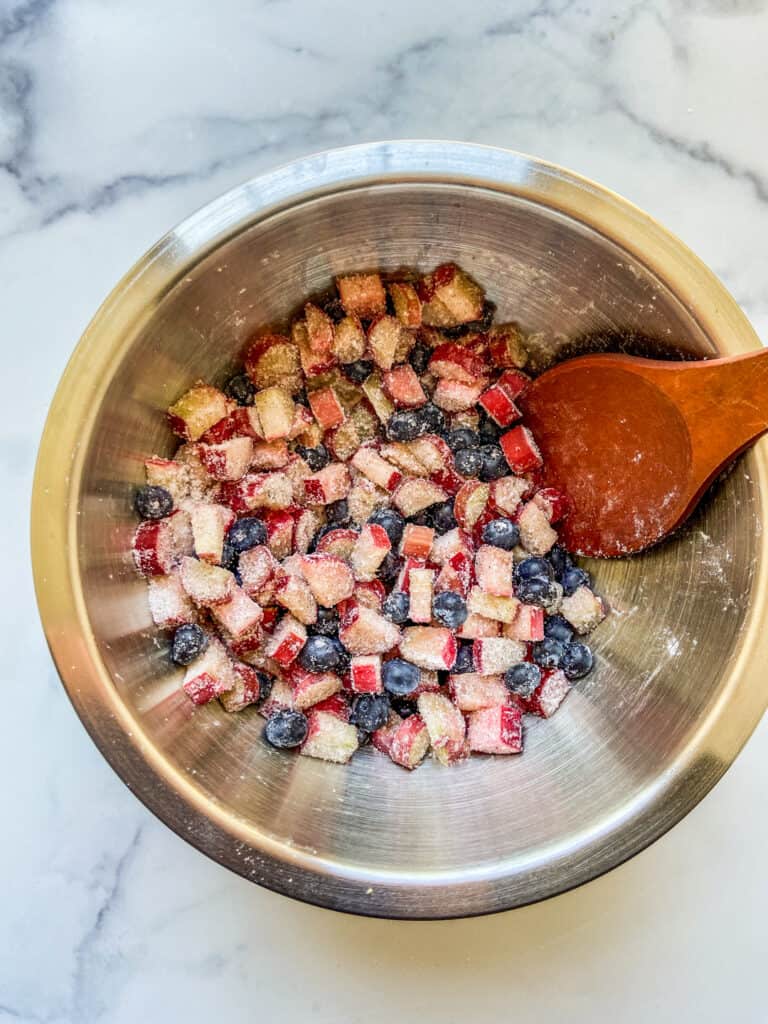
x: 520, y: 450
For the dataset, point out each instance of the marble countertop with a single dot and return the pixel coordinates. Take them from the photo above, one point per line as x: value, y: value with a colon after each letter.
x: 116, y: 120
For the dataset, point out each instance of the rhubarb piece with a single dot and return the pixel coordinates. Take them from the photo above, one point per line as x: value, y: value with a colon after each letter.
x: 329, y: 578
x: 365, y: 674
x: 280, y: 526
x: 169, y: 603
x: 210, y: 523
x: 408, y: 742
x: 549, y: 694
x: 280, y: 699
x: 338, y: 543
x: 248, y: 688
x: 406, y: 302
x: 501, y: 609
x: 528, y: 624
x: 364, y: 498
x: 319, y: 328
x: 471, y: 691
x: 286, y: 642
x: 493, y: 569
x: 496, y: 730
x: 475, y: 626
x: 450, y: 297
x: 374, y: 392
x: 311, y: 687
x: 520, y: 450
x: 430, y: 647
x: 329, y: 738
x: 385, y: 337
x: 349, y: 342
x: 257, y: 567
x: 229, y: 460
x: 421, y: 587
x: 268, y: 455
x: 417, y: 541
x: 314, y: 361
x: 370, y: 550
x: 257, y: 490
x: 446, y: 727
x: 326, y: 408
x: 336, y: 704
x: 378, y: 470
x: 457, y: 575
x: 328, y: 485
x: 454, y: 362
x: 293, y: 593
x: 210, y: 675
x: 368, y: 632
x: 536, y: 535
x: 306, y: 524
x: 453, y: 542
x: 205, y: 584
x: 453, y: 396
x: 470, y: 504
x: 583, y: 609
x: 275, y: 408
x: 499, y: 405
x: 371, y: 593
x: 514, y: 382
x: 413, y: 496
x: 238, y: 615
x: 506, y: 346
x: 494, y: 655
x: 507, y: 493
x: 273, y: 361
x: 197, y: 410
x: 362, y: 295
x: 160, y: 544
x: 169, y: 474
x: 403, y: 387
x: 400, y: 455
x: 553, y: 503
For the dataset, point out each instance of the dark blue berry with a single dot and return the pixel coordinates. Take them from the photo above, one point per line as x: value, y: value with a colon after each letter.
x: 265, y: 685
x: 468, y: 461
x: 240, y: 389
x: 286, y: 729
x: 548, y: 653
x: 558, y: 628
x: 389, y: 569
x: 422, y: 518
x: 392, y: 522
x: 494, y: 463
x: 404, y: 426
x: 488, y: 430
x: 559, y: 559
x: 327, y: 623
x: 405, y: 708
x: 316, y: 458
x: 465, y: 661
x: 246, y: 533
x: 419, y: 358
x: 153, y: 502
x: 443, y: 518
x: 577, y: 661
x: 523, y: 678
x: 531, y: 567
x: 334, y: 308
x: 337, y: 513
x: 501, y: 533
x: 230, y: 557
x: 342, y: 654
x: 450, y: 609
x: 358, y: 371
x: 302, y: 398
x: 431, y: 418
x: 400, y: 677
x: 536, y: 590
x: 319, y: 654
x: 461, y: 438
x: 574, y: 578
x: 370, y: 711
x: 396, y: 606
x: 188, y: 643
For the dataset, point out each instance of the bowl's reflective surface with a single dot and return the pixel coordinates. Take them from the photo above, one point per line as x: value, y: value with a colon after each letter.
x: 676, y: 691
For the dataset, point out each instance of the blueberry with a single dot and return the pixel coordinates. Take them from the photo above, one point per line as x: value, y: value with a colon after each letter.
x: 246, y: 533
x: 422, y: 518
x: 286, y: 729
x: 363, y: 738
x: 153, y: 502
x: 265, y: 685
x: 400, y: 677
x: 230, y: 556
x: 465, y: 661
x: 240, y: 388
x: 531, y: 567
x: 389, y: 569
x: 327, y: 623
x: 468, y: 461
x: 316, y: 458
x: 419, y: 358
x: 370, y: 711
x: 342, y: 655
x: 523, y: 678
x: 319, y: 654
x: 461, y: 438
x: 404, y: 426
x: 536, y: 590
x: 577, y: 661
x: 559, y: 559
x: 358, y: 371
x: 558, y: 628
x: 494, y: 463
x: 574, y: 578
x: 405, y: 708
x: 188, y: 643
x: 337, y: 512
x: 396, y: 607
x: 488, y: 431
x: 432, y: 419
x: 548, y: 653
x: 443, y: 518
x: 392, y: 522
x: 501, y: 533
x: 450, y: 609
x: 334, y: 308
x: 302, y: 398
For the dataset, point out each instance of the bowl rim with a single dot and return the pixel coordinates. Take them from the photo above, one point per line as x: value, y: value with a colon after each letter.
x: 170, y: 795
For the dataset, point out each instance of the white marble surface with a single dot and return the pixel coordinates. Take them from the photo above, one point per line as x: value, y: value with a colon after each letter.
x: 116, y: 120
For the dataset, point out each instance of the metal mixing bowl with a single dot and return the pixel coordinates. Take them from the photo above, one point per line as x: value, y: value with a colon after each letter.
x: 677, y: 689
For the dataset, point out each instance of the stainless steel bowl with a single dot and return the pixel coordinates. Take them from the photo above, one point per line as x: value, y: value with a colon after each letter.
x: 677, y: 689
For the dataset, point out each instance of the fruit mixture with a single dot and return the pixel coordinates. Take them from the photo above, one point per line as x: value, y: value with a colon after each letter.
x: 351, y: 537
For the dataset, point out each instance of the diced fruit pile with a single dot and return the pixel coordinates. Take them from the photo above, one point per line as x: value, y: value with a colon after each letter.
x: 352, y: 536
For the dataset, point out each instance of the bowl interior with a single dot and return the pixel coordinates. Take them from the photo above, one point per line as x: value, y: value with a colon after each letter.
x: 438, y: 841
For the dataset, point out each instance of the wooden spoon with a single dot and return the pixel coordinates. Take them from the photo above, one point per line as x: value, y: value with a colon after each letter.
x: 634, y: 443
